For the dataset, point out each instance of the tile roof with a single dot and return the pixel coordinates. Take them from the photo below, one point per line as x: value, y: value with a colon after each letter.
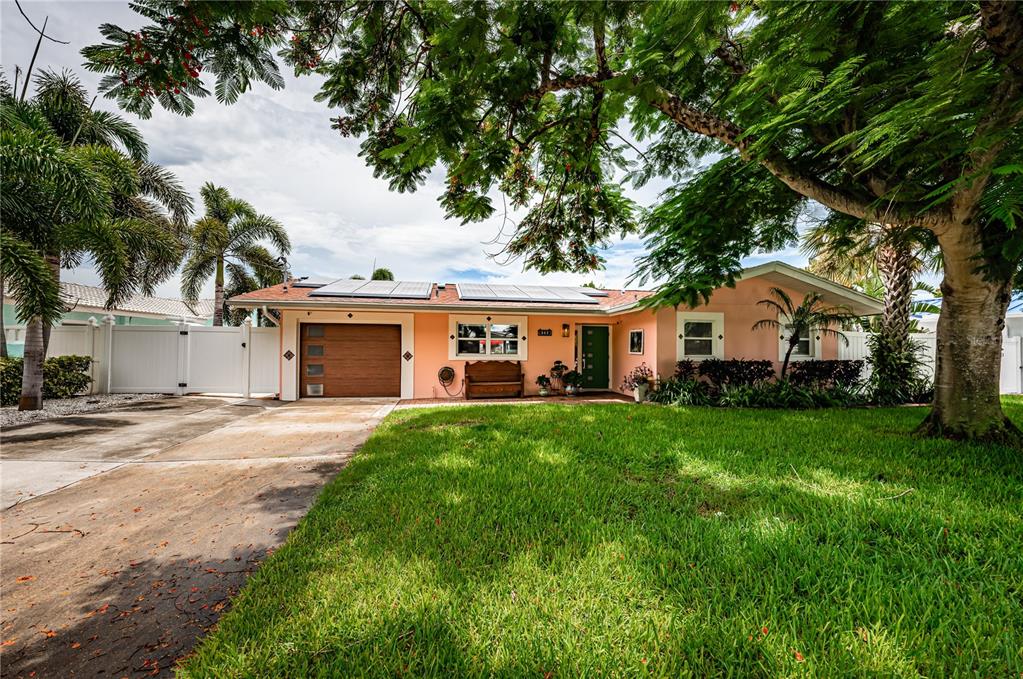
x: 446, y: 296
x: 77, y: 296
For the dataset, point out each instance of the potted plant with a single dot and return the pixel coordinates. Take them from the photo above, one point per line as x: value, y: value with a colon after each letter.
x: 557, y: 371
x: 544, y: 383
x: 638, y: 381
x: 572, y: 380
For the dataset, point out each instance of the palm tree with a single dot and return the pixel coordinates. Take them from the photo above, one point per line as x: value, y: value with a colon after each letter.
x: 241, y: 280
x: 229, y: 235
x: 798, y: 321
x: 852, y: 252
x: 77, y: 186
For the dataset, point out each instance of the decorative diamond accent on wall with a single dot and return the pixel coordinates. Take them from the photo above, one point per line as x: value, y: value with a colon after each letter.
x: 350, y: 315
x: 407, y: 356
x: 289, y: 354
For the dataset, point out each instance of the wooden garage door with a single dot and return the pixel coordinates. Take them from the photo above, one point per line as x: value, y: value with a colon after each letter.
x: 350, y: 360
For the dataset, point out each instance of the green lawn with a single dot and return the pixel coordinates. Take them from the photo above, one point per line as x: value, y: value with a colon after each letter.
x: 615, y: 539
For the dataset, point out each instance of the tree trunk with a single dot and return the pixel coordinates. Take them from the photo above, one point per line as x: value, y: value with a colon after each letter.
x: 788, y: 354
x: 32, y: 367
x: 54, y: 263
x: 3, y: 328
x: 218, y: 296
x: 969, y: 347
x: 895, y: 267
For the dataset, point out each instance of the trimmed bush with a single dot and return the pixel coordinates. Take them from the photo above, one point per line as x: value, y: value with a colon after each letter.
x: 686, y: 369
x: 785, y: 394
x: 735, y: 371
x: 825, y: 373
x: 63, y: 377
x: 683, y: 392
x: 10, y: 380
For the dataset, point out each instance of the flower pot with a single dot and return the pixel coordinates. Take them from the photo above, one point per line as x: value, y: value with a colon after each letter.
x: 640, y: 393
x: 544, y: 391
x: 571, y: 389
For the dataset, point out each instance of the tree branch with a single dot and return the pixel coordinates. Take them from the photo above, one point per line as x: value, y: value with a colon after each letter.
x: 693, y: 119
x: 1002, y: 22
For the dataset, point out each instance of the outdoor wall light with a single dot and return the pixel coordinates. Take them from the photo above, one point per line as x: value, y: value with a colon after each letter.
x: 564, y: 329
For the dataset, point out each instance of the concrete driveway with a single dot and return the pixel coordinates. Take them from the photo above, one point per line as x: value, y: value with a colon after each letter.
x: 125, y: 532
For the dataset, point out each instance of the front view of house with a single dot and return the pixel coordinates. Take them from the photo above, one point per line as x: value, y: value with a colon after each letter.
x: 355, y: 338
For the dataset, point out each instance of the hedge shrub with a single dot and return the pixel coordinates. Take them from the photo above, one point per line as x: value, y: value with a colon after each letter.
x: 736, y: 371
x: 63, y: 377
x: 825, y: 373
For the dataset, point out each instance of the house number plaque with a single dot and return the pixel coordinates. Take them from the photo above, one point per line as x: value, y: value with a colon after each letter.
x: 544, y: 332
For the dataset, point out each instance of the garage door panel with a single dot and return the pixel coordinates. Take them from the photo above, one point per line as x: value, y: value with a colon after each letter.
x: 340, y: 360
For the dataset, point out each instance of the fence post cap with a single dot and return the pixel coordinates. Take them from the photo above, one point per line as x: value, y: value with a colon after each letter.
x: 248, y: 321
x: 92, y: 321
x: 109, y: 319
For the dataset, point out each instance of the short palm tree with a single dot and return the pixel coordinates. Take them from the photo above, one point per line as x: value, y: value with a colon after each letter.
x: 76, y: 186
x: 795, y: 321
x: 229, y: 235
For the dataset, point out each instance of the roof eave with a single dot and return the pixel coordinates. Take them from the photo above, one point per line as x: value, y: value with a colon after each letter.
x: 860, y: 303
x: 451, y: 308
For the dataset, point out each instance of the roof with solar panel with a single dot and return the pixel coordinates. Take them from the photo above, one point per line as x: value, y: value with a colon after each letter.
x: 421, y: 295
x: 357, y: 292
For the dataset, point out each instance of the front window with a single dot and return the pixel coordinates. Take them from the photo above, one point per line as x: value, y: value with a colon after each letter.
x: 701, y: 335
x: 698, y: 338
x: 496, y: 338
x: 504, y: 338
x: 472, y: 338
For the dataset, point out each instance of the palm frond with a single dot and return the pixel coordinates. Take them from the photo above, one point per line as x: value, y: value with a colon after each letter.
x: 197, y: 270
x: 29, y: 280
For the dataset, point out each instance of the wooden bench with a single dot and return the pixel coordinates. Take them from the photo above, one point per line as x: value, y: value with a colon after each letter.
x: 489, y: 379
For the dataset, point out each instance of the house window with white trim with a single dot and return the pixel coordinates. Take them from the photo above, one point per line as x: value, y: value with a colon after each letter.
x: 808, y: 347
x: 701, y: 335
x: 488, y: 337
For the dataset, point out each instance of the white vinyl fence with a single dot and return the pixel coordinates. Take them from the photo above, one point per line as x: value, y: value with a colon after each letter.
x: 172, y: 359
x: 1012, y: 356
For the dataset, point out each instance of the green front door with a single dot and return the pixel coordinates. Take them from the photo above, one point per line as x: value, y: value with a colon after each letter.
x: 593, y: 362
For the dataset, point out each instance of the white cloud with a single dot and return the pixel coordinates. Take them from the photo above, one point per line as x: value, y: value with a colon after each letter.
x: 276, y: 150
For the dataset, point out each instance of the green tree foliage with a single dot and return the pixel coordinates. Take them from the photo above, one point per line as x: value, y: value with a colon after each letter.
x: 382, y: 274
x: 228, y: 241
x: 904, y: 114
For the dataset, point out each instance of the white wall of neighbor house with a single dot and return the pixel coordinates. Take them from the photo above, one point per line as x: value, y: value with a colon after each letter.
x: 290, y: 321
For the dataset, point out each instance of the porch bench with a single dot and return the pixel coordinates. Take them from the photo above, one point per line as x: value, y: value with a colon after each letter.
x: 489, y: 379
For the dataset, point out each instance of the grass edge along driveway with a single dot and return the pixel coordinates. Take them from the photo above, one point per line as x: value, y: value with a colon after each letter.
x: 619, y: 540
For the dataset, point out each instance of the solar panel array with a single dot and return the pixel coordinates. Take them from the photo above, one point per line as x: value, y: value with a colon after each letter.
x: 527, y: 293
x: 385, y: 289
x: 308, y: 283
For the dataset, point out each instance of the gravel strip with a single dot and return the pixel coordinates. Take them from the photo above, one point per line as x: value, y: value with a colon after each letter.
x: 11, y: 416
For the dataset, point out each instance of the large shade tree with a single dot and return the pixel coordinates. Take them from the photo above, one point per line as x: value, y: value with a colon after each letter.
x: 77, y: 186
x: 228, y: 241
x: 903, y: 114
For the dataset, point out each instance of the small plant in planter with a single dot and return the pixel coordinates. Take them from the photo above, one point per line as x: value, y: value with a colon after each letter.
x: 638, y: 381
x: 573, y: 379
x: 544, y: 383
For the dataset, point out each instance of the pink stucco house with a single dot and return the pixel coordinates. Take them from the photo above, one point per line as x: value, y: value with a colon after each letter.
x: 386, y: 338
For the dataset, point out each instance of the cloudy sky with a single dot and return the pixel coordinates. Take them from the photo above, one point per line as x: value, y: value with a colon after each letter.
x: 276, y: 150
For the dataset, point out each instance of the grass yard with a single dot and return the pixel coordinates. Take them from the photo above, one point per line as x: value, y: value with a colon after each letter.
x: 621, y: 540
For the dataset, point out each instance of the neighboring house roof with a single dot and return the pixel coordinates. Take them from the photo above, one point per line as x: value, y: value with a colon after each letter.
x: 446, y: 297
x: 87, y: 298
